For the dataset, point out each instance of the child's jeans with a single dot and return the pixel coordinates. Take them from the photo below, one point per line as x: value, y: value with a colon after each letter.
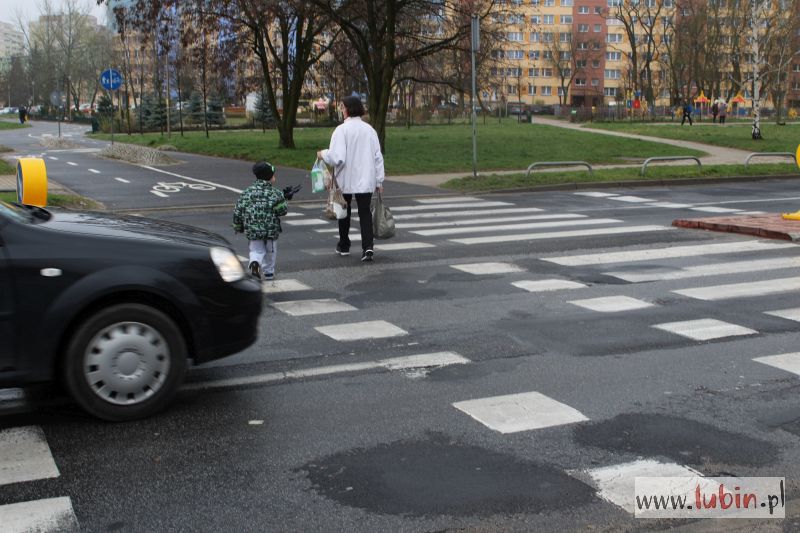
x: 265, y: 253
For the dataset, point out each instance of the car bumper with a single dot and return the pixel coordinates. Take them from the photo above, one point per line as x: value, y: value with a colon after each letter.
x: 232, y: 322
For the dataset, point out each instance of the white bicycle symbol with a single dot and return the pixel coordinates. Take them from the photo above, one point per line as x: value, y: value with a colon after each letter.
x: 176, y: 186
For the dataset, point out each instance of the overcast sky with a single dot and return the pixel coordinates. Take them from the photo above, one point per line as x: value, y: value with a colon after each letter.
x: 30, y: 9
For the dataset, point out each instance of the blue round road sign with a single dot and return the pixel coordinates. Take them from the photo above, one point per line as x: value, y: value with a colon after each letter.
x: 110, y: 79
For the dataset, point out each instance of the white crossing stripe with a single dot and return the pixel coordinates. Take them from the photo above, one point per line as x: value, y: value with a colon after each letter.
x: 25, y: 455
x: 52, y: 158
x: 293, y: 215
x: 93, y: 171
x: 70, y: 163
x: 705, y: 329
x: 52, y: 514
x: 403, y: 246
x: 488, y: 268
x: 312, y: 307
x: 612, y: 304
x: 307, y: 222
x: 122, y: 180
x: 631, y: 199
x: 469, y: 213
x: 710, y: 270
x: 711, y: 209
x: 447, y: 200
x: 668, y: 253
x: 284, y: 285
x: 543, y: 285
x: 472, y: 222
x: 742, y: 290
x: 788, y: 314
x: 409, y: 362
x: 494, y: 239
x: 789, y: 362
x: 355, y: 331
x: 529, y: 225
x: 669, y: 205
x: 519, y: 412
x: 616, y: 483
x: 446, y: 206
x: 594, y: 194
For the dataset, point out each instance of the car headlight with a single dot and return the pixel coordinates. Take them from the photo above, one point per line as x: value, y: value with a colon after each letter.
x: 227, y: 264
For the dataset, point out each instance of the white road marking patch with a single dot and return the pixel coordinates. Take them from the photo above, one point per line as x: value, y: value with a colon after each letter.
x: 70, y: 163
x: 712, y: 209
x: 492, y: 239
x: 284, y: 285
x: 742, y: 290
x: 594, y: 194
x: 469, y: 213
x: 631, y: 199
x: 123, y: 180
x: 52, y: 158
x: 710, y: 270
x: 612, y: 304
x: 93, y: 171
x: 211, y: 183
x: 404, y: 363
x: 669, y: 205
x: 448, y: 200
x: 474, y: 222
x: 312, y: 307
x: 457, y: 205
x: 308, y: 222
x: 519, y: 412
x: 667, y: 253
x: 788, y: 314
x: 25, y: 455
x: 403, y: 246
x: 161, y: 194
x: 514, y: 227
x: 49, y: 515
x: 616, y: 483
x: 544, y: 285
x: 375, y: 329
x: 488, y: 268
x: 789, y: 362
x: 705, y: 329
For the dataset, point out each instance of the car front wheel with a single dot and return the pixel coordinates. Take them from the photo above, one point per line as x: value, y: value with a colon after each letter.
x: 125, y: 362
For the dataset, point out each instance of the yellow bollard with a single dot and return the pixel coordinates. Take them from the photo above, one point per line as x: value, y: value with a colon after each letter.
x: 32, y: 182
x: 793, y: 216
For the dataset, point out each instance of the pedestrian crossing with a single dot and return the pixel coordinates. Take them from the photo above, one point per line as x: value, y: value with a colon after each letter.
x: 25, y: 456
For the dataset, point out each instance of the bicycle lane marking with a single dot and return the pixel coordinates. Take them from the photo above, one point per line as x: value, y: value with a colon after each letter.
x: 211, y: 183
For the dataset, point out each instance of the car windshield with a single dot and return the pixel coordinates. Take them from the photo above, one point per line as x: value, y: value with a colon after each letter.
x: 14, y: 212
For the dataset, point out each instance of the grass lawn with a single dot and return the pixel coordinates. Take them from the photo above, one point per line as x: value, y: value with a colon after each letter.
x: 9, y: 125
x: 58, y: 200
x: 429, y: 149
x: 776, y: 138
x: 513, y: 181
x: 6, y: 167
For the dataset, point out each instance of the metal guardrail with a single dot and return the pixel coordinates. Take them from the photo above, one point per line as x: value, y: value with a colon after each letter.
x: 559, y: 164
x: 668, y: 158
x: 768, y: 154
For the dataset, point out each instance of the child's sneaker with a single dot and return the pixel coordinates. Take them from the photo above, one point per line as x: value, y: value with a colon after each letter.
x: 341, y: 250
x: 269, y: 276
x: 255, y: 269
x: 366, y: 256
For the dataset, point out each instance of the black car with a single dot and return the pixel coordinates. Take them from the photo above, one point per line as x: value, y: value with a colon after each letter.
x: 116, y: 306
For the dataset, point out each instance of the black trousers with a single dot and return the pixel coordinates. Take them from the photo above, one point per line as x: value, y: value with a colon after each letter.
x: 363, y: 200
x: 685, y: 116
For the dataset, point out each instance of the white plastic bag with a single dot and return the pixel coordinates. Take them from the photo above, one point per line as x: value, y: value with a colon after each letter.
x: 318, y: 172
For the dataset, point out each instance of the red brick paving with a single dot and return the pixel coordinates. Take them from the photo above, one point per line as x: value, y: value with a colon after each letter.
x: 769, y: 226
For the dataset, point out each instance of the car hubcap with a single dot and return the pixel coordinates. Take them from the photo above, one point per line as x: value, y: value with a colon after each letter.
x: 126, y: 363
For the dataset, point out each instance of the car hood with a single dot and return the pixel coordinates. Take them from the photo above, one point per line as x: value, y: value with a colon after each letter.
x: 130, y: 227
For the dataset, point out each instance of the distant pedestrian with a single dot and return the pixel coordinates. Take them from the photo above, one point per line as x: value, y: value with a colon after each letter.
x: 355, y: 155
x: 257, y: 214
x: 22, y: 114
x: 714, y: 111
x: 687, y: 113
x: 723, y: 111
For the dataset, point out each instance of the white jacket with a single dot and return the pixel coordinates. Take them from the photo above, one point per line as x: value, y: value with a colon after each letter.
x: 355, y: 155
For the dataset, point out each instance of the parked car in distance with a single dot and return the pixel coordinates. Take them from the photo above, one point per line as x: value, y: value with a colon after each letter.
x: 543, y: 110
x: 518, y: 109
x: 116, y: 306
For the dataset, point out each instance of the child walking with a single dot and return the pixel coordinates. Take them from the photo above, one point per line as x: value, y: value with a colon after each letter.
x: 257, y: 214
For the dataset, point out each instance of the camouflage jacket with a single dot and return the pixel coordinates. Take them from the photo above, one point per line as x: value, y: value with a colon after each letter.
x: 257, y: 210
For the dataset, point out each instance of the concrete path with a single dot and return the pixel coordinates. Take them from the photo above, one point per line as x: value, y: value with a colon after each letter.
x: 716, y: 155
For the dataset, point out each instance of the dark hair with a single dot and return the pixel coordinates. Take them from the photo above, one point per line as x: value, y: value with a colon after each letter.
x: 353, y: 106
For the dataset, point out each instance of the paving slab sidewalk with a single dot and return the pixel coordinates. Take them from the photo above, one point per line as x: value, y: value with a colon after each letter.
x: 768, y: 226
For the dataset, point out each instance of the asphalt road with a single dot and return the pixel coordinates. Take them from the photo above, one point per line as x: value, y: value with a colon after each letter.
x: 520, y: 373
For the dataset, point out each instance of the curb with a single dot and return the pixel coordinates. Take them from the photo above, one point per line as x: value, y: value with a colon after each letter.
x: 763, y: 227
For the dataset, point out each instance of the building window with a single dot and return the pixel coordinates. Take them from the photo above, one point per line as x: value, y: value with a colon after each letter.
x: 583, y: 10
x: 613, y: 56
x: 583, y: 45
x: 598, y: 10
x: 614, y: 38
x: 565, y: 37
x: 595, y: 63
x: 514, y: 36
x: 515, y: 54
x: 565, y: 55
x: 536, y: 19
x: 533, y: 54
x: 531, y: 89
x: 580, y: 63
x: 548, y: 19
x: 547, y: 91
x: 536, y: 37
x: 580, y: 82
x: 583, y: 28
x: 566, y: 19
x: 547, y: 72
x: 610, y: 91
x: 612, y: 74
x: 548, y: 55
x: 533, y: 72
x: 548, y: 36
x: 511, y: 89
x: 567, y: 3
x: 549, y: 3
x: 595, y: 82
x: 561, y: 91
x: 598, y: 28
x: 796, y: 68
